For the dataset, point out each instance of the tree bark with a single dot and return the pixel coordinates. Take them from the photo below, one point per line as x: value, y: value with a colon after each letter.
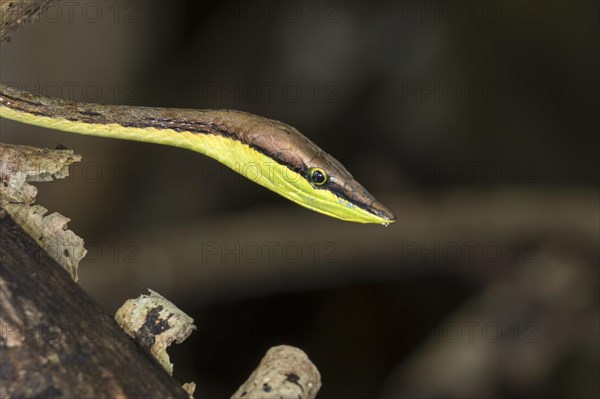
x: 56, y: 341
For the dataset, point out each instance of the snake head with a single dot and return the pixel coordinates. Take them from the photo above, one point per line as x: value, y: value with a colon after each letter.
x: 302, y: 172
x: 341, y: 195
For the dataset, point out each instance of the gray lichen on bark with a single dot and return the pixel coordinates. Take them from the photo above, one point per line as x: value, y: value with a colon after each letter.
x: 22, y: 165
x: 285, y: 372
x: 155, y: 323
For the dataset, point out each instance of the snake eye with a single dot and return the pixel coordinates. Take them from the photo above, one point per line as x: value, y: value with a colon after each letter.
x: 318, y: 176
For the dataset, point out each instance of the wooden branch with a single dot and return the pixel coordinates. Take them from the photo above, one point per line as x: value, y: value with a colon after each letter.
x: 155, y: 322
x: 21, y: 165
x: 56, y: 341
x: 284, y: 373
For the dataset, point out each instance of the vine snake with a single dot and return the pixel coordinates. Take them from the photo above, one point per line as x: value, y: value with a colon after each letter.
x: 268, y: 152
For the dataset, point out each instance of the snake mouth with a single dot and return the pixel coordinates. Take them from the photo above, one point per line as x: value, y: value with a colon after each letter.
x: 354, y: 193
x: 378, y: 209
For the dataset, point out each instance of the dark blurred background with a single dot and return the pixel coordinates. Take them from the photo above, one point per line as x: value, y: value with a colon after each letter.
x: 475, y: 122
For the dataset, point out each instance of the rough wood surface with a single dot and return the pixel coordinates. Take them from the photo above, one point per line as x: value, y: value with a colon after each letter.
x: 55, y: 341
x: 155, y: 322
x: 22, y: 165
x: 284, y: 373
